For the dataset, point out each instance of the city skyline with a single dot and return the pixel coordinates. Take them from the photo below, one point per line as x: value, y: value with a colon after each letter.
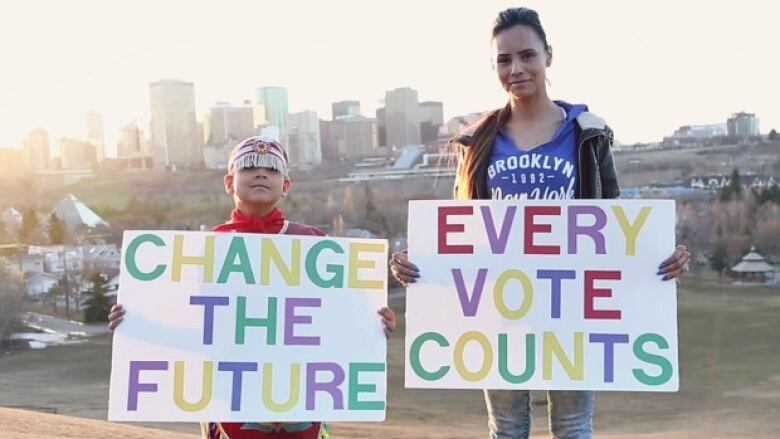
x: 696, y: 71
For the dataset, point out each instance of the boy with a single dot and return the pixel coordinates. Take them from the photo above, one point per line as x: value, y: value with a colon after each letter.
x: 258, y: 180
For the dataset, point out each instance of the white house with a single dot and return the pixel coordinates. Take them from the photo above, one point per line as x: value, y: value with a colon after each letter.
x: 38, y: 284
x: 55, y: 257
x: 24, y: 264
x: 101, y: 257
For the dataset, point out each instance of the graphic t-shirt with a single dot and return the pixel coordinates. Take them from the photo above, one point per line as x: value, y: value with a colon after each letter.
x: 548, y: 172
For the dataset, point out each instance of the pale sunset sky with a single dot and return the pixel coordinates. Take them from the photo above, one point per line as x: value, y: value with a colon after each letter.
x: 647, y: 67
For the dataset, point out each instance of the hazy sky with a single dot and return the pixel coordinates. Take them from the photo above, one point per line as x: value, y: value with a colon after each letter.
x: 647, y: 67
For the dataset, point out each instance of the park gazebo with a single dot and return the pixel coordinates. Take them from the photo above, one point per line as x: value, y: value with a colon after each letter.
x: 753, y: 268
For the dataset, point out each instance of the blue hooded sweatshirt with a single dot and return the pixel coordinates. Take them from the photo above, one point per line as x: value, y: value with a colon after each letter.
x: 547, y: 172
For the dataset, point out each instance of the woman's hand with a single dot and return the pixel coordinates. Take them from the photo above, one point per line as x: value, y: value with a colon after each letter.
x: 388, y: 320
x: 676, y: 265
x: 115, y: 316
x: 403, y: 271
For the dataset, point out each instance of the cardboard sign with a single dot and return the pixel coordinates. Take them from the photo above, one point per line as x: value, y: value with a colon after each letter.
x: 541, y: 295
x: 249, y: 327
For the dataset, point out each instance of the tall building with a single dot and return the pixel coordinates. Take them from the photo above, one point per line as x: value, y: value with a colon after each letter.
x: 129, y: 144
x: 36, y: 155
x: 274, y: 103
x: 743, y: 125
x: 175, y: 136
x: 304, y: 145
x: 361, y: 135
x: 229, y: 123
x: 402, y: 117
x: 348, y: 137
x: 381, y: 126
x: 327, y: 141
x: 431, y: 119
x: 94, y: 123
x: 77, y: 154
x: 346, y: 109
x: 10, y: 164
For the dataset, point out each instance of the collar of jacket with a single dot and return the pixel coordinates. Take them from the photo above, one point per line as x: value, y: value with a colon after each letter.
x: 591, y: 129
x: 589, y: 123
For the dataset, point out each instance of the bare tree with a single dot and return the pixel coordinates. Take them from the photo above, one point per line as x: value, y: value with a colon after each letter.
x: 11, y: 297
x: 767, y: 232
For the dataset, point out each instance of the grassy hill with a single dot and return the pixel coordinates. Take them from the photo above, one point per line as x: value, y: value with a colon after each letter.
x: 730, y: 382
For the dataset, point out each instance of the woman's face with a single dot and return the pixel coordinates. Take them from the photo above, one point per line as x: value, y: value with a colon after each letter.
x: 521, y: 61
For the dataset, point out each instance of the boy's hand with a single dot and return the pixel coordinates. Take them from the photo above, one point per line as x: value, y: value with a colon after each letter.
x: 115, y: 316
x: 388, y: 320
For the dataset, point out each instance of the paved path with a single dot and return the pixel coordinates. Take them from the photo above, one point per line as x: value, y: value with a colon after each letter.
x: 56, y: 325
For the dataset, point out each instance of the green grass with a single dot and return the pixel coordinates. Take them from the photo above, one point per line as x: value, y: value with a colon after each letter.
x: 729, y: 354
x: 729, y: 336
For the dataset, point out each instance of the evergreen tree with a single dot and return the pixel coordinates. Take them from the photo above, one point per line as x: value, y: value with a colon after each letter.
x: 56, y: 230
x: 29, y: 226
x: 718, y: 255
x: 98, y: 305
x: 733, y: 190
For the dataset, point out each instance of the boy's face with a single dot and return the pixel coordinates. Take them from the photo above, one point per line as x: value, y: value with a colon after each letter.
x: 257, y: 187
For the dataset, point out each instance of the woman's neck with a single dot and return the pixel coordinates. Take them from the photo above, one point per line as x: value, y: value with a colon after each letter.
x: 531, y: 108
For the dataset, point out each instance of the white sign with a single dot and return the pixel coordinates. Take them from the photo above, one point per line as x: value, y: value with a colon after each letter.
x: 249, y: 327
x: 541, y: 295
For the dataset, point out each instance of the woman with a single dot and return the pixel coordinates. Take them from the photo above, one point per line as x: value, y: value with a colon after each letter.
x: 533, y: 129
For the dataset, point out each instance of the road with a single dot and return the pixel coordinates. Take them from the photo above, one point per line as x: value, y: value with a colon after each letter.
x: 56, y: 325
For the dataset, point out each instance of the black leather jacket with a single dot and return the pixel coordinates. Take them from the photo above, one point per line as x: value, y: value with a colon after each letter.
x: 597, y: 175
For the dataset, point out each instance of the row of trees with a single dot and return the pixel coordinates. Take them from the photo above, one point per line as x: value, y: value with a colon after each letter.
x: 97, y: 303
x: 726, y: 228
x: 31, y: 231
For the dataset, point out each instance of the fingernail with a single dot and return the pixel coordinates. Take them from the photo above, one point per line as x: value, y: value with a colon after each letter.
x: 667, y: 277
x: 660, y: 272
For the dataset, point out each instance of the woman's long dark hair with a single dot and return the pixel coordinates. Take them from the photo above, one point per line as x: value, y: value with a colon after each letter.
x: 476, y: 153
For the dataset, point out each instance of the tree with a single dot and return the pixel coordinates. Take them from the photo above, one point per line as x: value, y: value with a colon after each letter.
x: 374, y: 219
x: 773, y: 194
x: 767, y: 195
x: 733, y: 190
x: 98, y: 305
x: 56, y: 230
x: 11, y: 297
x: 29, y: 226
x: 767, y: 230
x: 773, y: 134
x: 52, y: 295
x: 718, y: 259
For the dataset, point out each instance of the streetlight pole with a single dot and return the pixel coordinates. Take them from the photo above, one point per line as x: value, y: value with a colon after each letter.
x: 65, y: 284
